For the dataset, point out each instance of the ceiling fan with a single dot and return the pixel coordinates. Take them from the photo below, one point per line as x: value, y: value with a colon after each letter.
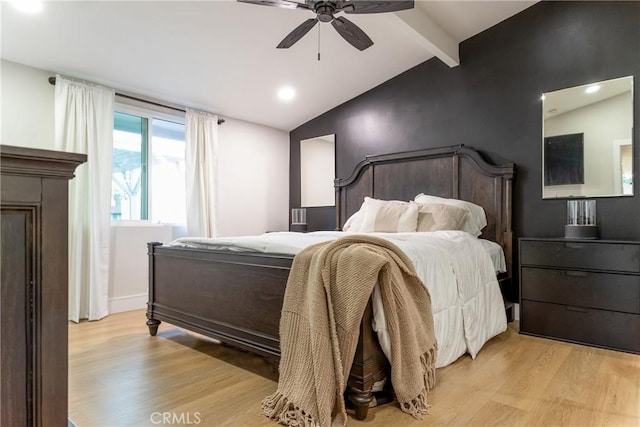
x: 325, y: 12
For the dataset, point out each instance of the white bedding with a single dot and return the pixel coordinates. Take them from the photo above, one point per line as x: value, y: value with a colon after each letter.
x: 458, y: 269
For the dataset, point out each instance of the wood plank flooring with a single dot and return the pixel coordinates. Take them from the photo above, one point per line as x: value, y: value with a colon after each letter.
x: 120, y: 376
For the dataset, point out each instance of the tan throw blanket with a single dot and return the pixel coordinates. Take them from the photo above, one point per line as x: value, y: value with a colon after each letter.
x: 327, y: 292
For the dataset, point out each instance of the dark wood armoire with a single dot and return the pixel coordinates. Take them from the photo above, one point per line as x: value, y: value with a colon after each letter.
x: 34, y: 285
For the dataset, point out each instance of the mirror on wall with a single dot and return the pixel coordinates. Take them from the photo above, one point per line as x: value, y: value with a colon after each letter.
x: 588, y: 140
x: 317, y: 171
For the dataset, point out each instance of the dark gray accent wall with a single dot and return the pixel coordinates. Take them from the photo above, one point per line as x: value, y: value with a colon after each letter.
x: 492, y: 103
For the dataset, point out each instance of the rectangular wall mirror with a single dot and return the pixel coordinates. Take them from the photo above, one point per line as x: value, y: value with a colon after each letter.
x: 317, y: 171
x: 588, y: 140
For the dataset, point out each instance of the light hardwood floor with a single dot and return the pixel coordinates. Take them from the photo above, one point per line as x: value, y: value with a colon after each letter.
x: 120, y: 376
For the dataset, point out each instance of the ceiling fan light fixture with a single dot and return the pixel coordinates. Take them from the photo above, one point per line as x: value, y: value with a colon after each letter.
x: 325, y: 13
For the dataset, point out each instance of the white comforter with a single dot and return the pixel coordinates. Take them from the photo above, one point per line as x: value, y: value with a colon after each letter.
x: 455, y: 267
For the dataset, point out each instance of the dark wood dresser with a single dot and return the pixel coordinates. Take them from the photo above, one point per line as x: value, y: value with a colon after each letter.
x: 34, y: 285
x: 584, y: 291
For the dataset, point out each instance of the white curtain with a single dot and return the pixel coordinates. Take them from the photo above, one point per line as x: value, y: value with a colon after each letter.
x: 84, y: 124
x: 201, y: 137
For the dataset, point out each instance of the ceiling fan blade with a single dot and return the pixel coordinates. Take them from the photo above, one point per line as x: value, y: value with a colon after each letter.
x: 366, y: 6
x: 287, y: 4
x: 352, y: 33
x: 297, y: 33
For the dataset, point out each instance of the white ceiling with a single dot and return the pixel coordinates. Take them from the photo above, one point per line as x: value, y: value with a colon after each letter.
x: 220, y: 56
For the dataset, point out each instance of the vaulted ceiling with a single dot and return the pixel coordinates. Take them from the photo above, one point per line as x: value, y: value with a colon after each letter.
x: 220, y: 56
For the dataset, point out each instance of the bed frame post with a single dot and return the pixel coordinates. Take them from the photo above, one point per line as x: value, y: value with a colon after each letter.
x: 369, y: 366
x: 151, y: 322
x: 508, y: 232
x: 338, y: 192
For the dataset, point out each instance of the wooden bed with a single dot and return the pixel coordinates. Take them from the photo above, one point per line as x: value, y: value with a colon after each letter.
x: 237, y: 297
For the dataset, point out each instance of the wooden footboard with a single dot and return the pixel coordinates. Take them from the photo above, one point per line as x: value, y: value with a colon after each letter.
x: 233, y: 297
x: 237, y: 298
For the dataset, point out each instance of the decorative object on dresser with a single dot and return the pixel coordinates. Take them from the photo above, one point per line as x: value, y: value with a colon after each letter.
x: 581, y: 220
x: 583, y: 291
x: 34, y: 285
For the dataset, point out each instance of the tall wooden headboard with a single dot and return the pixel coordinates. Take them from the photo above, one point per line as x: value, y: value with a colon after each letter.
x: 454, y: 172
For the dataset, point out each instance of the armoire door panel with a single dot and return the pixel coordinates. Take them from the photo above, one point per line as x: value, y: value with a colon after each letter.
x: 16, y: 280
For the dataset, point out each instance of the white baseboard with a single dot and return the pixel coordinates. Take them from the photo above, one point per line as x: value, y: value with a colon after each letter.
x: 127, y: 303
x: 516, y: 311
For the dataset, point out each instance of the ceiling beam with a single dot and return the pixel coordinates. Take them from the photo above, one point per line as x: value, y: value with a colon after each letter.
x: 429, y: 34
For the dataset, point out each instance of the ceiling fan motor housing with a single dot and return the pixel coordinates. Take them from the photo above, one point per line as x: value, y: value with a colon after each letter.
x: 325, y: 11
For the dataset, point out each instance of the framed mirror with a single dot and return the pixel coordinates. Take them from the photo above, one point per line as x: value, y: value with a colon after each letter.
x: 588, y: 140
x: 317, y: 171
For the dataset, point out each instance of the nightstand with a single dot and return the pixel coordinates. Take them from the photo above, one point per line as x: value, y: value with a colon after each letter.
x: 584, y: 291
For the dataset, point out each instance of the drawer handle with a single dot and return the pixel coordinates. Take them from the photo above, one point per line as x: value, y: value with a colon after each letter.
x: 574, y: 245
x: 576, y: 273
x: 576, y: 309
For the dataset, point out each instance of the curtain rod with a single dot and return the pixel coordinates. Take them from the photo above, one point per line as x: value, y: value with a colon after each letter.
x: 52, y: 80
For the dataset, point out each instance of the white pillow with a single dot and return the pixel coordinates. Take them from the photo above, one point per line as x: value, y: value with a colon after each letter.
x: 354, y: 223
x: 383, y: 216
x: 476, y: 220
x: 389, y: 216
x: 438, y: 216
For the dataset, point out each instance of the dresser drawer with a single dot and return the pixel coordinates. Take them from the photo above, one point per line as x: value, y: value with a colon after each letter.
x: 605, y: 291
x: 583, y: 255
x: 590, y: 326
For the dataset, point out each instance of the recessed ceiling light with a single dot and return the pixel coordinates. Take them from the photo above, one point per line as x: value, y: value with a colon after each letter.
x: 592, y: 89
x: 286, y: 93
x: 27, y: 6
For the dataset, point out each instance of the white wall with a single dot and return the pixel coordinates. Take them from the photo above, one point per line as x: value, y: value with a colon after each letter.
x: 254, y: 178
x: 27, y: 106
x: 128, y: 281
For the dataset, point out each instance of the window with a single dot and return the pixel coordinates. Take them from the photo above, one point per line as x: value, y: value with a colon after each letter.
x: 148, y: 180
